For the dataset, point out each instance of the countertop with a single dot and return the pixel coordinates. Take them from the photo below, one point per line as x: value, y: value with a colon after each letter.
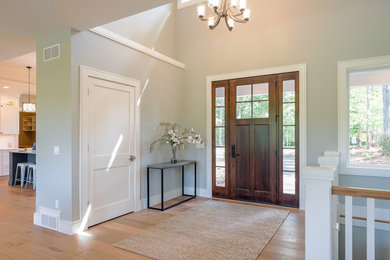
x: 29, y: 151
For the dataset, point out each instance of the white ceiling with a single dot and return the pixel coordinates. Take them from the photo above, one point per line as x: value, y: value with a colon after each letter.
x: 24, y: 21
x: 14, y: 74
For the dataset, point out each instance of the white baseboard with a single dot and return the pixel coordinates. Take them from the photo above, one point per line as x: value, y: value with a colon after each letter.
x: 205, y: 193
x: 360, y: 211
x: 168, y: 195
x: 156, y: 199
x: 63, y: 226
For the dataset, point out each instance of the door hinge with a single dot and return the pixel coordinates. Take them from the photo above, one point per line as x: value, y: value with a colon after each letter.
x: 88, y: 148
x: 88, y: 91
x: 276, y: 118
x: 276, y: 153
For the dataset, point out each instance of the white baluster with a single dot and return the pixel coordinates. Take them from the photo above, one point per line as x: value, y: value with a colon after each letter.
x: 348, y: 228
x: 370, y: 229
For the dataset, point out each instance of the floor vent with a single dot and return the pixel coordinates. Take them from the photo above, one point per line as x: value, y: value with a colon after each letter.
x: 48, y: 218
x: 51, y: 53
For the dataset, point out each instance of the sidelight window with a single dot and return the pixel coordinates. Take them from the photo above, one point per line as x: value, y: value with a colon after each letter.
x: 220, y: 127
x: 289, y: 128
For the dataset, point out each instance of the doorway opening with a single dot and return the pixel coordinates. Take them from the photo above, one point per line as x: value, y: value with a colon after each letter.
x: 255, y: 138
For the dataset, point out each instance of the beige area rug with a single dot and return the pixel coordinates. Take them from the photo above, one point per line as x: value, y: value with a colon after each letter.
x: 212, y: 230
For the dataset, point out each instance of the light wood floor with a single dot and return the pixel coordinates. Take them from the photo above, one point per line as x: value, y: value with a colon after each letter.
x: 20, y: 239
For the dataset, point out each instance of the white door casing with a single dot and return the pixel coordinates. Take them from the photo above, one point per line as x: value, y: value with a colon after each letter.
x: 109, y: 119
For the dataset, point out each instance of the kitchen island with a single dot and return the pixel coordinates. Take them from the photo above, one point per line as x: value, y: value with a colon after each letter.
x: 19, y: 156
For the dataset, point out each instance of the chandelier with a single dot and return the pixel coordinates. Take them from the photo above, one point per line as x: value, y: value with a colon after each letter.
x: 29, y: 107
x: 230, y: 10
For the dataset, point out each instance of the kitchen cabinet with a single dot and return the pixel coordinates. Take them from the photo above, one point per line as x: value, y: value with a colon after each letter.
x: 4, y: 163
x: 9, y: 115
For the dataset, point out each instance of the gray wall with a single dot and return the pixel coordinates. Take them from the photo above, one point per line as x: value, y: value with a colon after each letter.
x: 54, y: 124
x: 319, y: 33
x: 162, y: 99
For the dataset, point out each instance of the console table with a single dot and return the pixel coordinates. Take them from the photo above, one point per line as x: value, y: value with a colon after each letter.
x: 164, y: 166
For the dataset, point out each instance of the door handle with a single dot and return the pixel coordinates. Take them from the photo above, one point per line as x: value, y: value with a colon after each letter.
x: 234, y: 154
x: 132, y: 158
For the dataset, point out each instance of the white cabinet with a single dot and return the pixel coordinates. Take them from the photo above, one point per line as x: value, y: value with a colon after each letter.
x: 4, y: 163
x: 4, y: 170
x: 9, y: 116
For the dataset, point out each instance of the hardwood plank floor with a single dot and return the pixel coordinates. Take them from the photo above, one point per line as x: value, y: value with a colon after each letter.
x: 20, y: 239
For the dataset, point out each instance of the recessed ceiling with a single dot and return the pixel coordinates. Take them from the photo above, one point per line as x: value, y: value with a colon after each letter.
x: 24, y: 21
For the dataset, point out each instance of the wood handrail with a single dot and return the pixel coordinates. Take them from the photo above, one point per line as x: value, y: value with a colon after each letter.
x: 361, y: 192
x: 365, y: 219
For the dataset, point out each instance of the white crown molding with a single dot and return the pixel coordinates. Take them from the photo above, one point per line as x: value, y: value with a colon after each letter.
x: 136, y: 46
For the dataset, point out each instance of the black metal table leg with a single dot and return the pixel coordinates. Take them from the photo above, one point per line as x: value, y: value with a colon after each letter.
x: 147, y: 177
x: 182, y: 180
x: 162, y: 190
x: 195, y: 179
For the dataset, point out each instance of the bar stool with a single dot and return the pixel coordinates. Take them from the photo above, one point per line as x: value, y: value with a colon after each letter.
x: 31, y: 175
x: 21, y: 168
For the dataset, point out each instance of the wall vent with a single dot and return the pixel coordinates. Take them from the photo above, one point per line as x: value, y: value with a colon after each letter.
x: 51, y: 52
x: 50, y: 222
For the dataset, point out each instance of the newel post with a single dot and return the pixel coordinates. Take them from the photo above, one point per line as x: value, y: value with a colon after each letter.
x: 318, y: 182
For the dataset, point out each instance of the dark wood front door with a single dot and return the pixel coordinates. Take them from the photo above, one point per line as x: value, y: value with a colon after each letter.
x: 255, y: 135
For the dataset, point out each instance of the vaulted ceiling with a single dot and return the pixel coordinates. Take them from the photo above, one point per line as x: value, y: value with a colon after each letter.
x: 24, y: 21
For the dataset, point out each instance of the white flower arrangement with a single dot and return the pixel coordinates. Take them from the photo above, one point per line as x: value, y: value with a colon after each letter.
x: 172, y: 134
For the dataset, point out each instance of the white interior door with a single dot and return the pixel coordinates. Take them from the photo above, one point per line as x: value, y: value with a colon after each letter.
x: 111, y: 137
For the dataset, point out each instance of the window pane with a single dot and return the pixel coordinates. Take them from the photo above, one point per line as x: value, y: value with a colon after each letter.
x: 220, y: 157
x: 289, y: 91
x: 220, y: 136
x: 289, y: 171
x: 260, y: 91
x: 220, y: 96
x: 261, y: 109
x: 289, y: 114
x: 369, y: 135
x: 289, y: 136
x: 244, y: 93
x: 220, y: 116
x: 244, y: 110
x: 220, y: 177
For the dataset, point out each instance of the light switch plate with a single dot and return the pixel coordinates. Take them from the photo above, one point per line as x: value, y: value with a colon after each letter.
x: 56, y: 150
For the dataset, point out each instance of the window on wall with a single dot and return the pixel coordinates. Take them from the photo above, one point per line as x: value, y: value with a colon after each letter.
x: 364, y: 116
x: 369, y: 118
x: 187, y: 3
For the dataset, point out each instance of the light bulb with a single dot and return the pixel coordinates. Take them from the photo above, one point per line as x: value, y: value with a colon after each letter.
x: 211, y: 22
x: 242, y: 5
x: 230, y: 24
x: 247, y: 14
x: 201, y: 11
x: 233, y: 3
x: 216, y: 4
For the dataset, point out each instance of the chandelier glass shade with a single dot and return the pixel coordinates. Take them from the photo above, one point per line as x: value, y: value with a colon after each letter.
x: 230, y: 11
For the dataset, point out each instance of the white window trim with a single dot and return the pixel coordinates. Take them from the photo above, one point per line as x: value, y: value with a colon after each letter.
x: 181, y: 5
x: 344, y: 68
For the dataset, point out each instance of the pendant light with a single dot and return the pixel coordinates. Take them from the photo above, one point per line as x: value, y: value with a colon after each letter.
x: 29, y: 107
